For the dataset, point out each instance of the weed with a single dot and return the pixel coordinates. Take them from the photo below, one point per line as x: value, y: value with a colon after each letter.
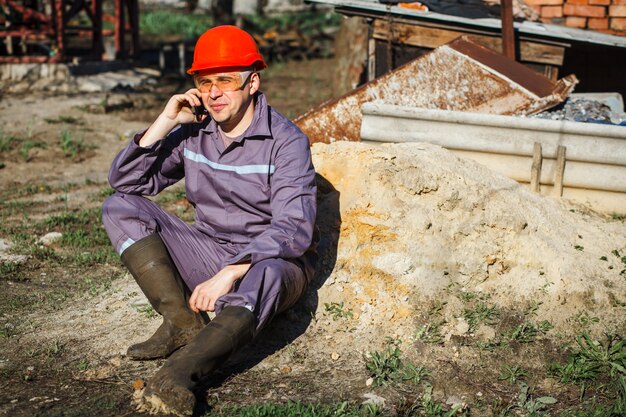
x: 413, y: 374
x: 466, y: 296
x: 618, y: 216
x: 7, y: 330
x: 291, y: 409
x: 8, y: 268
x: 70, y: 120
x: 431, y: 332
x: 430, y: 408
x: 70, y: 146
x: 533, y: 406
x: 481, y: 314
x: 54, y: 348
x: 147, y: 311
x: 337, y: 311
x: 511, y: 373
x: 592, y: 359
x: 78, y: 238
x: 106, y: 192
x: 387, y: 366
x: 528, y: 332
x: 579, y: 248
x: 83, y: 364
x: 27, y: 145
x: 384, y: 366
x: 7, y: 142
x: 584, y: 319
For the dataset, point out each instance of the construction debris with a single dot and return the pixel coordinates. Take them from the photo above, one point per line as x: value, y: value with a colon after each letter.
x: 461, y: 75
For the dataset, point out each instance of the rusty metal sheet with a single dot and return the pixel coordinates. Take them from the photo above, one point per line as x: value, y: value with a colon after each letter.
x: 461, y: 75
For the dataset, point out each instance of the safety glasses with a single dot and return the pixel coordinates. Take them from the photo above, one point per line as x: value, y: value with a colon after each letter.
x: 232, y: 81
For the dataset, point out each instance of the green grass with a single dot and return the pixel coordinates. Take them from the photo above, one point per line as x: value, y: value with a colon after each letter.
x: 481, y: 314
x: 70, y: 145
x: 387, y: 366
x: 27, y: 145
x: 307, y: 22
x: 511, y: 373
x: 70, y: 120
x: 169, y: 23
x: 292, y: 409
x: 8, y: 142
x: 337, y: 310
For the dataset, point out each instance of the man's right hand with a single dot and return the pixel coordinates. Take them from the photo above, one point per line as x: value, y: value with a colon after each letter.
x: 178, y: 110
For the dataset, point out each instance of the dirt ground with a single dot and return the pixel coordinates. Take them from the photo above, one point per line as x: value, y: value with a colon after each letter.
x: 441, y: 286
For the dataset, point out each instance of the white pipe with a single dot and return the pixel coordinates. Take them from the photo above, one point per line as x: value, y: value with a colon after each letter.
x: 585, y: 142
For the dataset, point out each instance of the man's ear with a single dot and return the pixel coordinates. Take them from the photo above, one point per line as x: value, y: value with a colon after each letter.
x: 255, y: 82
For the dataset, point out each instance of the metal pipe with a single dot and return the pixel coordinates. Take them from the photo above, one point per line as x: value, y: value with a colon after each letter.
x: 508, y: 30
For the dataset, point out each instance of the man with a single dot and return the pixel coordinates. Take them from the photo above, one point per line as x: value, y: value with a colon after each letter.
x: 250, y: 252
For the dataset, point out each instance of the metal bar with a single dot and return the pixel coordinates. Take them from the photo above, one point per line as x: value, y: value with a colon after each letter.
x: 97, y: 41
x: 534, y: 30
x: 26, y: 11
x: 59, y: 11
x: 28, y: 34
x: 508, y: 32
x: 28, y: 59
x: 133, y: 17
x: 120, y: 29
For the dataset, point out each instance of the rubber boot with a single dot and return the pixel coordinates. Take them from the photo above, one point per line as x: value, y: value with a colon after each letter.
x: 169, y: 391
x: 150, y: 264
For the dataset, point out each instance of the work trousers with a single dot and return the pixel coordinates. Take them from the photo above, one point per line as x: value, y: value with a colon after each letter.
x: 269, y: 287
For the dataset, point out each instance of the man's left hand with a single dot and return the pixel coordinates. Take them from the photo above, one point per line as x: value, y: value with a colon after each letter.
x: 204, y: 295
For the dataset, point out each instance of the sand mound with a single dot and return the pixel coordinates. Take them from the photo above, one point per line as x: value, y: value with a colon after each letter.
x: 418, y: 222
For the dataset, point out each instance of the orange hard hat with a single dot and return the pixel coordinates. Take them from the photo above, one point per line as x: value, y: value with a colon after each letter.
x: 226, y: 47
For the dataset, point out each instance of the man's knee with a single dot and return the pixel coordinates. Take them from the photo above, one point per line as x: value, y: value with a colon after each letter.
x: 110, y: 209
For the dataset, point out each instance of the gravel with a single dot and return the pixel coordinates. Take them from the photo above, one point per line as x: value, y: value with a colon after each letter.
x: 584, y: 110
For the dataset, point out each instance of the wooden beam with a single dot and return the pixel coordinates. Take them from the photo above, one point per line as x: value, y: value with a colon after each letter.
x: 427, y: 37
x: 560, y: 170
x: 535, y: 170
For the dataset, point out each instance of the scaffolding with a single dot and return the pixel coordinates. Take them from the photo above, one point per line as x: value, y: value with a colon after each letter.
x: 38, y: 31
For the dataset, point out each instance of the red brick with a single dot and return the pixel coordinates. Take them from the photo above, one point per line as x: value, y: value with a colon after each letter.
x: 536, y: 8
x: 584, y: 11
x: 618, y: 1
x: 576, y: 22
x: 618, y: 23
x: 600, y: 2
x: 597, y: 23
x: 544, y: 2
x: 611, y: 32
x: 583, y: 2
x: 617, y: 11
x: 551, y: 11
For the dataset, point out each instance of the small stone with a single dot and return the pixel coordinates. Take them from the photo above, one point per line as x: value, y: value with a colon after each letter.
x: 285, y: 370
x: 49, y: 238
x: 369, y: 382
x: 374, y: 399
x: 334, y: 356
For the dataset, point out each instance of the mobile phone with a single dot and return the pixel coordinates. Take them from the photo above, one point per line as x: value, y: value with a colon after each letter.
x: 198, y: 111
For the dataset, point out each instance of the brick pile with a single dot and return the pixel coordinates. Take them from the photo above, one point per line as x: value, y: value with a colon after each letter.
x: 608, y: 16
